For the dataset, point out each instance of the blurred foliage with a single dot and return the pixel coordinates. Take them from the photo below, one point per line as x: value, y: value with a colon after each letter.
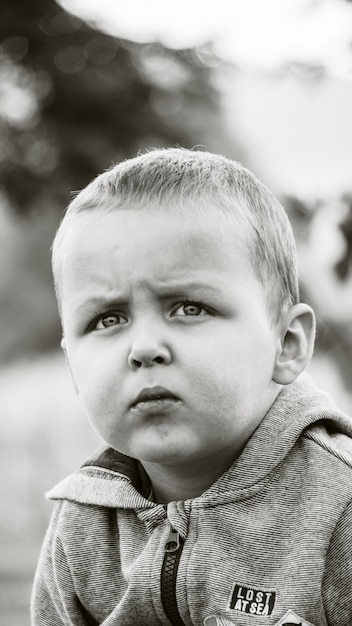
x: 344, y: 266
x: 323, y: 232
x: 73, y: 100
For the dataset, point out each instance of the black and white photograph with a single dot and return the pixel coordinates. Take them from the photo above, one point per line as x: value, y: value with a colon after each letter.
x: 176, y: 313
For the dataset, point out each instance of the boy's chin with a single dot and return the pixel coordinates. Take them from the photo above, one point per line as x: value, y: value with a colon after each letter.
x: 158, y: 450
x: 163, y: 455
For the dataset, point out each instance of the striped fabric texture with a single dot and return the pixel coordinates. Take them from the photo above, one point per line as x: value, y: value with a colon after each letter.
x: 271, y: 537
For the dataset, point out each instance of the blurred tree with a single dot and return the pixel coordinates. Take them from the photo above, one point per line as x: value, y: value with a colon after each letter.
x: 323, y: 231
x: 73, y: 100
x: 344, y: 266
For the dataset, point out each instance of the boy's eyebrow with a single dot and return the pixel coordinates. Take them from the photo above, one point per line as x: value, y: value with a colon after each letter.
x: 97, y: 302
x: 176, y: 288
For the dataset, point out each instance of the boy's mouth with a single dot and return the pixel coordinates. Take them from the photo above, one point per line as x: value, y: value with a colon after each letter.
x: 155, y: 398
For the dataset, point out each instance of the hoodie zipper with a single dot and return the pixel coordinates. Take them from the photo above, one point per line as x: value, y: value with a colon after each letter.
x: 173, y: 549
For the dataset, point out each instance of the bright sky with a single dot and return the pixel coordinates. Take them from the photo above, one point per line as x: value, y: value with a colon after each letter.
x: 297, y: 131
x: 260, y: 33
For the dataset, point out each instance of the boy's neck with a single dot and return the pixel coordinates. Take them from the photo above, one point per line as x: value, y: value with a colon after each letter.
x: 173, y: 483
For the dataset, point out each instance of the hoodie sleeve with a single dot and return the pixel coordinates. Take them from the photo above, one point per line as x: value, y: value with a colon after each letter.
x: 337, y: 581
x: 54, y: 600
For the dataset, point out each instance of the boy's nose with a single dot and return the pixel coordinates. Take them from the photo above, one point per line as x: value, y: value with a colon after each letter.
x: 147, y: 351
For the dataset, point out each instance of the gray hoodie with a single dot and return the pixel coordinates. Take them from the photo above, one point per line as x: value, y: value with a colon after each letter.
x: 270, y: 542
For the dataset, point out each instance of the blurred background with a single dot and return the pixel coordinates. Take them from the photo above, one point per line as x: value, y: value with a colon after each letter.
x: 86, y: 83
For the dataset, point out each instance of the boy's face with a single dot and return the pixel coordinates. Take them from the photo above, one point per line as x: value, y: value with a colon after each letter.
x: 167, y: 334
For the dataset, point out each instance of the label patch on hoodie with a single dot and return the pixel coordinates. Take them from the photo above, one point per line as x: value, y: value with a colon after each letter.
x: 292, y: 619
x: 252, y: 601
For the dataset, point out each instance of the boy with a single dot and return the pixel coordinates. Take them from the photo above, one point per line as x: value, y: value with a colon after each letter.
x: 223, y: 493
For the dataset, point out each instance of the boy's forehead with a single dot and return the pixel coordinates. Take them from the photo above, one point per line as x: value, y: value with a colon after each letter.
x: 173, y: 242
x: 191, y: 224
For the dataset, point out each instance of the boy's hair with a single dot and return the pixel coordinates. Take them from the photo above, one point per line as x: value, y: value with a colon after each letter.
x: 176, y: 177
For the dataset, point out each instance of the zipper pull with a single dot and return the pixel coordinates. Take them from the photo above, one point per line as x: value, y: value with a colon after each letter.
x: 173, y: 541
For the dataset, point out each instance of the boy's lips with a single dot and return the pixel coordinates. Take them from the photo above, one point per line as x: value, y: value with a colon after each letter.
x: 152, y: 398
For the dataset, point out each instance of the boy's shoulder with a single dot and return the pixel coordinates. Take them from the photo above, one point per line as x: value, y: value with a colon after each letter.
x: 322, y: 422
x: 332, y: 440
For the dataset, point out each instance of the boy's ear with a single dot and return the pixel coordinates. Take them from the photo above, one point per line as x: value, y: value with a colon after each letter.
x: 74, y: 384
x: 296, y: 344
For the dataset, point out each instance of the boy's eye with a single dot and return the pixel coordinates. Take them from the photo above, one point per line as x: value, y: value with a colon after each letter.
x: 109, y: 319
x: 190, y: 309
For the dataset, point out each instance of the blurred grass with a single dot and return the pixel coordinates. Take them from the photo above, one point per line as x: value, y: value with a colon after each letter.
x: 44, y: 435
